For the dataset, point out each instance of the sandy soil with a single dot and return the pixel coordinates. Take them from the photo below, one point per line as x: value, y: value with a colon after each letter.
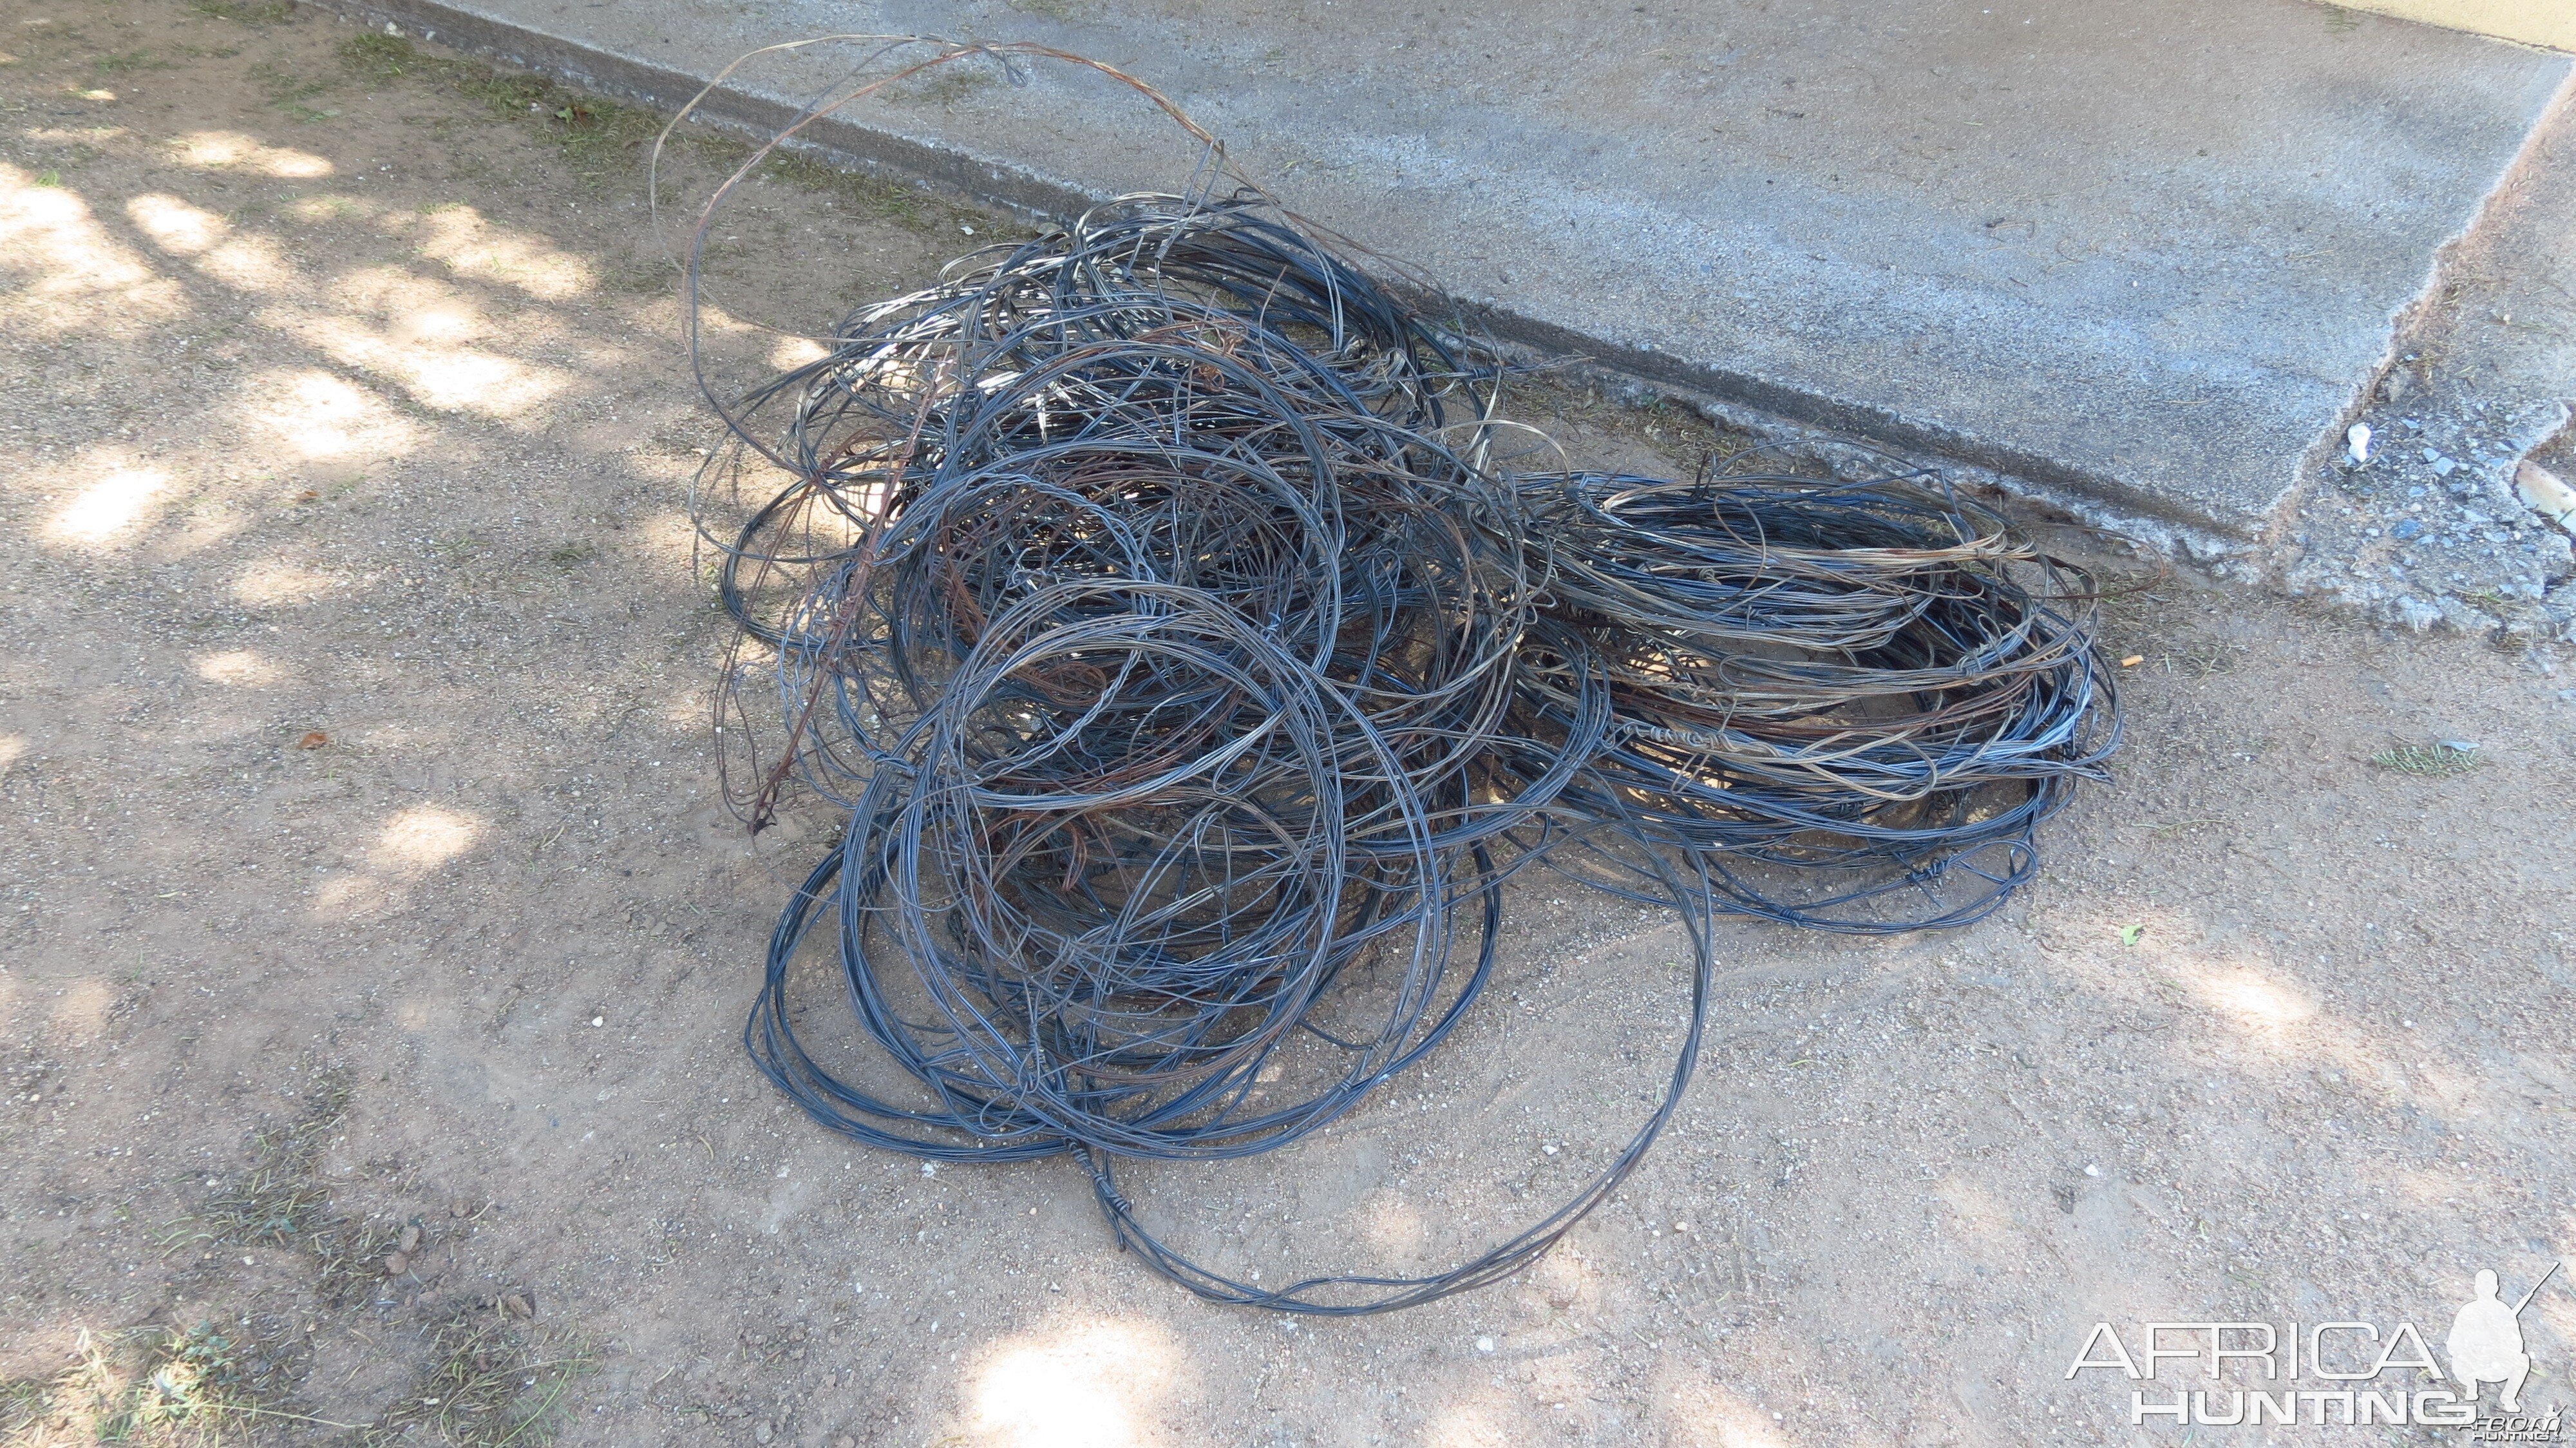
x: 365, y: 892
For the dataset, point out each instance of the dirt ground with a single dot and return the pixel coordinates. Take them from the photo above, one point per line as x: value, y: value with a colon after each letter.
x: 376, y: 953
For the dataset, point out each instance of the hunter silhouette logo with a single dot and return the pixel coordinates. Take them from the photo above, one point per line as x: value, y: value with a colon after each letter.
x: 2486, y: 1340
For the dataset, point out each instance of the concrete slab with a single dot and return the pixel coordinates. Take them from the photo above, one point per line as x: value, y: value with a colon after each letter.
x: 2430, y: 528
x: 2147, y: 254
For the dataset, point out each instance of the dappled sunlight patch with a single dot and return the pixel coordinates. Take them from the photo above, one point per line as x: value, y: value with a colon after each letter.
x: 1393, y: 1226
x: 472, y: 381
x: 176, y: 226
x: 82, y: 1009
x: 322, y: 416
x: 2424, y: 1188
x: 440, y: 374
x: 267, y: 583
x: 110, y: 508
x: 393, y: 295
x: 795, y: 352
x: 208, y: 523
x: 1482, y: 1424
x: 76, y: 135
x: 251, y: 264
x: 1092, y: 1386
x: 241, y: 668
x: 413, y: 843
x: 664, y: 537
x: 2256, y: 1004
x: 51, y: 241
x: 467, y: 244
x: 435, y: 324
x: 1720, y: 1418
x: 685, y: 710
x: 331, y: 207
x: 13, y: 747
x: 234, y: 151
x: 342, y: 896
x: 1560, y: 1277
x: 1974, y: 1209
x: 423, y: 838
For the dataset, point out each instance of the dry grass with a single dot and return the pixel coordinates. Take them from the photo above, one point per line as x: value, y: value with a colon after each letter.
x: 2427, y: 761
x: 149, y: 1386
x: 282, y: 1197
x: 489, y: 1384
x: 282, y: 1201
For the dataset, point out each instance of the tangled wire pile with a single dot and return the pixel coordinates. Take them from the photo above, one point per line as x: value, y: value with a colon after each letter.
x: 1193, y: 679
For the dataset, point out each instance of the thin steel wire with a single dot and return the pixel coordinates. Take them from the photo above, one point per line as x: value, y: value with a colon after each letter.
x: 1192, y: 682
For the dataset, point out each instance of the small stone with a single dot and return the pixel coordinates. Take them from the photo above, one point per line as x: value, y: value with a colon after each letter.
x: 397, y: 1263
x: 1484, y: 1344
x: 313, y: 739
x: 458, y: 1208
x: 517, y: 1305
x: 2442, y: 467
x: 2092, y: 1169
x: 2547, y: 493
x: 844, y: 1440
x: 410, y: 1241
x: 763, y: 1433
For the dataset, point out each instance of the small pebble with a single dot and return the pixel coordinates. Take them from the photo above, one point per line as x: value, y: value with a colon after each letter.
x: 410, y: 1241
x: 763, y: 1433
x: 397, y: 1263
x: 518, y: 1306
x: 458, y: 1209
x: 1484, y: 1344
